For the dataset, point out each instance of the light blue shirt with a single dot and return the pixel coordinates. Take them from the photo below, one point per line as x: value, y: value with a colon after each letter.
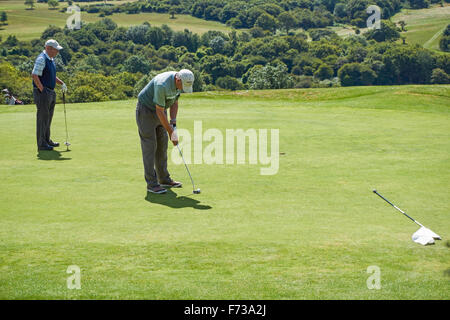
x: 39, y: 64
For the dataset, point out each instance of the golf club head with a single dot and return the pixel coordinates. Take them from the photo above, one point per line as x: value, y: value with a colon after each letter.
x: 196, y: 191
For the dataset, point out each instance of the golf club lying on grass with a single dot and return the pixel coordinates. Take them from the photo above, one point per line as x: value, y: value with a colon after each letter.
x: 67, y: 143
x: 196, y: 191
x: 424, y: 235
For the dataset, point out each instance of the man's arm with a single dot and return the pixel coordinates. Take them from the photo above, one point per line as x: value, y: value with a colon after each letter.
x: 37, y: 82
x: 63, y: 85
x: 59, y: 81
x: 39, y: 66
x: 173, y: 113
x: 163, y: 119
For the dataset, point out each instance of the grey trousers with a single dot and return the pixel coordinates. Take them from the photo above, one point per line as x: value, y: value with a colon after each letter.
x: 45, y: 105
x: 154, y: 139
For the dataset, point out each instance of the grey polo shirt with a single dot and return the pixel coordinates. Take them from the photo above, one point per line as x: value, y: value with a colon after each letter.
x: 161, y: 91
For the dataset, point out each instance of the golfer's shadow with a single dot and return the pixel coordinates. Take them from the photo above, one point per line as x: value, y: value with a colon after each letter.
x: 172, y: 200
x: 51, y: 155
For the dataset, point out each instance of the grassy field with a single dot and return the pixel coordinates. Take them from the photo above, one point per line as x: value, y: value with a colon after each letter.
x: 29, y: 24
x: 310, y: 231
x: 425, y: 26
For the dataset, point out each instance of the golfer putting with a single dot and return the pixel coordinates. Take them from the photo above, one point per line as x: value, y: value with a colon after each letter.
x: 160, y: 94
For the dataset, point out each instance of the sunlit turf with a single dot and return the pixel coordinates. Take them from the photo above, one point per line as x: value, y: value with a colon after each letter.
x: 309, y: 231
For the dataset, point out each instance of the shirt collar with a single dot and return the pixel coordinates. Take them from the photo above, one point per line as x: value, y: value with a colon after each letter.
x: 45, y: 52
x: 173, y: 86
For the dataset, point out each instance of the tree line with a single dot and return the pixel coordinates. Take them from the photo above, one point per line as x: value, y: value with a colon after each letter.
x: 103, y: 61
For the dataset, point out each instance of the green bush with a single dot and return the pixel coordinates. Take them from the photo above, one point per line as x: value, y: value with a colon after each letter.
x: 324, y: 72
x: 419, y: 4
x: 356, y: 74
x: 117, y: 87
x: 270, y: 77
x: 86, y: 94
x: 439, y: 76
x: 303, y: 81
x: 229, y: 83
x: 18, y: 83
x: 137, y: 63
x: 388, y: 32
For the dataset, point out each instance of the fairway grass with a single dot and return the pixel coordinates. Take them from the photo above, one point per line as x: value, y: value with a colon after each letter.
x: 308, y: 232
x: 29, y: 24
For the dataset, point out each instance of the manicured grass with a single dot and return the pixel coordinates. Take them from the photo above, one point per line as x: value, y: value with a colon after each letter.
x: 29, y: 24
x: 309, y: 231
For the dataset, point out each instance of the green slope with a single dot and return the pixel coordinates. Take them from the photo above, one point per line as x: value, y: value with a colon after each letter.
x: 29, y: 24
x: 425, y: 26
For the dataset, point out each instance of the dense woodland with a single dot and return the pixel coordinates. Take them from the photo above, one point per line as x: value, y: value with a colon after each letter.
x: 102, y: 61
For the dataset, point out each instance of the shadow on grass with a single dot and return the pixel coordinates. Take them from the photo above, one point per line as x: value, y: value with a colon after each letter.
x: 172, y: 200
x: 51, y: 155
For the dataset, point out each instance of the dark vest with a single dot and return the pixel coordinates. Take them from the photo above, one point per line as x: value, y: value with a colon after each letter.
x: 48, y: 78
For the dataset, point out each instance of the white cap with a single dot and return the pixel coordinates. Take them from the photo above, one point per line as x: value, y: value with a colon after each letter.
x: 187, y: 79
x: 53, y: 43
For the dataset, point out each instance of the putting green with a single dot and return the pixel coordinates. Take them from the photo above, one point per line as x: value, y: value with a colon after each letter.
x: 309, y: 231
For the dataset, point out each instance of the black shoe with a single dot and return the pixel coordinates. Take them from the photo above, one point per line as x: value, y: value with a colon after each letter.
x: 172, y: 184
x: 45, y: 148
x: 156, y: 189
x: 53, y: 144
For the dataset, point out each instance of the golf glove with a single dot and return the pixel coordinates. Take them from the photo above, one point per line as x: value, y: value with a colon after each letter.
x: 64, y: 87
x: 174, y: 136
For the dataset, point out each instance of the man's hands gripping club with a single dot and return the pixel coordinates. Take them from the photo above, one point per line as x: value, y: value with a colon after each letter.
x: 174, y: 136
x: 165, y: 123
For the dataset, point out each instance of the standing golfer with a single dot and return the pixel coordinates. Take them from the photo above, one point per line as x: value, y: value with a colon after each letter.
x: 44, y: 81
x: 161, y: 93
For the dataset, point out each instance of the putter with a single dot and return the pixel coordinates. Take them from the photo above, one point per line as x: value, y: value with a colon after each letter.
x: 195, y: 191
x: 67, y: 143
x: 424, y: 235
